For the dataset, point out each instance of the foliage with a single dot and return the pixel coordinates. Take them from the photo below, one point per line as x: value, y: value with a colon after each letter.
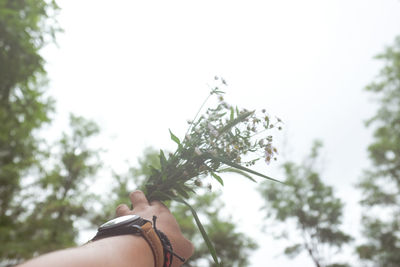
x: 215, y: 143
x: 233, y: 247
x: 58, y: 198
x: 380, y: 184
x: 25, y: 27
x: 311, y: 205
x: 216, y: 140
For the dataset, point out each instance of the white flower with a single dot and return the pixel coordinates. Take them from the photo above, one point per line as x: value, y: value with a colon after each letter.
x: 268, y: 149
x: 268, y: 159
x: 269, y: 152
x: 212, y: 130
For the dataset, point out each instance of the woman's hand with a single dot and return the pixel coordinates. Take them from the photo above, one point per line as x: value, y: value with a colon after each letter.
x: 165, y: 222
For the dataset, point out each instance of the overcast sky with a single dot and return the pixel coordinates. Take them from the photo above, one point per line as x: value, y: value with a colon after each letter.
x: 139, y: 68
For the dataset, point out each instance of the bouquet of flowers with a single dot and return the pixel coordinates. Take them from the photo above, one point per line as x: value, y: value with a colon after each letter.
x: 216, y: 142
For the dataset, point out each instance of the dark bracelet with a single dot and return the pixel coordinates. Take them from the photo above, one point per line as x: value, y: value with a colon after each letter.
x: 167, y: 246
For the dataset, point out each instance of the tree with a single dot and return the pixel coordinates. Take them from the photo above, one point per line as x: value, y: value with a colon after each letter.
x: 25, y: 27
x: 233, y: 247
x: 57, y: 197
x: 380, y: 184
x: 311, y: 205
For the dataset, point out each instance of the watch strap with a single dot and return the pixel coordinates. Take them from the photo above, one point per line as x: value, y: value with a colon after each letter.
x: 150, y: 235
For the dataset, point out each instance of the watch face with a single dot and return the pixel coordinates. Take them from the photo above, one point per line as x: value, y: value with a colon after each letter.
x: 119, y: 221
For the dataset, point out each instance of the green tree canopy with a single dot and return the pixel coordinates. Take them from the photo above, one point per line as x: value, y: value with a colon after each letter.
x: 25, y: 27
x: 57, y: 197
x: 24, y: 30
x: 311, y: 205
x: 380, y: 184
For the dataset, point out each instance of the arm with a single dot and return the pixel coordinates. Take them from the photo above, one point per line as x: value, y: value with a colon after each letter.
x: 121, y: 251
x: 127, y: 250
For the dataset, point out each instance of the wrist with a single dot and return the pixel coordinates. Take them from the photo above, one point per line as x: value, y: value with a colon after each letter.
x: 160, y: 244
x: 123, y: 250
x: 134, y: 225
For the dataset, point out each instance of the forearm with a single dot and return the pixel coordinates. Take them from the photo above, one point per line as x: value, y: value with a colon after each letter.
x: 127, y: 250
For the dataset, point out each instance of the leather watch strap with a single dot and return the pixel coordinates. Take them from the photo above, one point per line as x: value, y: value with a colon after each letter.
x: 155, y: 243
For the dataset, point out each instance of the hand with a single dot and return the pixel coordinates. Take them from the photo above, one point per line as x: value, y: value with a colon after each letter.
x: 165, y: 222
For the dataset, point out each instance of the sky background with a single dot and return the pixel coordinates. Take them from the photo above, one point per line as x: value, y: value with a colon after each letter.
x: 139, y: 68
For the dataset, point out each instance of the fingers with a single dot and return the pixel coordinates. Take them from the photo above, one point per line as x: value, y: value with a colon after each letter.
x: 122, y: 210
x: 138, y: 199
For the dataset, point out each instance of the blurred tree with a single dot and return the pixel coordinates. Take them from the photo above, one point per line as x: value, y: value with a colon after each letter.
x: 380, y: 184
x: 59, y: 199
x: 25, y: 27
x: 233, y: 247
x: 312, y: 206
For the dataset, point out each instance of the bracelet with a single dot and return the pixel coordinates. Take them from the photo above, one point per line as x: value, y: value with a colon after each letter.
x: 159, y: 243
x: 154, y: 242
x: 167, y: 246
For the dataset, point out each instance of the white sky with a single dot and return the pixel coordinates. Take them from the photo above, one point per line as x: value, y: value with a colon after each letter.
x: 139, y: 68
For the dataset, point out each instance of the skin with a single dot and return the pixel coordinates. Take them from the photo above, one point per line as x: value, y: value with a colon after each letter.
x: 127, y: 250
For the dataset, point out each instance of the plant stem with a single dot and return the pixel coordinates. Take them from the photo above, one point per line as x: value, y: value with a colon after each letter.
x: 197, y: 114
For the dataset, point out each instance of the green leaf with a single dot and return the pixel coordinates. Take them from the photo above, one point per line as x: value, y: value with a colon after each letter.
x: 188, y: 188
x: 218, y: 178
x: 153, y: 170
x: 293, y: 251
x: 210, y: 246
x: 232, y: 114
x: 241, y: 117
x: 240, y: 167
x: 175, y: 139
x: 163, y: 160
x: 181, y: 190
x: 245, y: 174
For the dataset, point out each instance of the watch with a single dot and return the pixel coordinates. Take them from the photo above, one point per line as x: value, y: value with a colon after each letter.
x: 135, y: 225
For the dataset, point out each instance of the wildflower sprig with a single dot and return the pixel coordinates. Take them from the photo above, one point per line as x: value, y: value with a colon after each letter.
x: 223, y: 139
